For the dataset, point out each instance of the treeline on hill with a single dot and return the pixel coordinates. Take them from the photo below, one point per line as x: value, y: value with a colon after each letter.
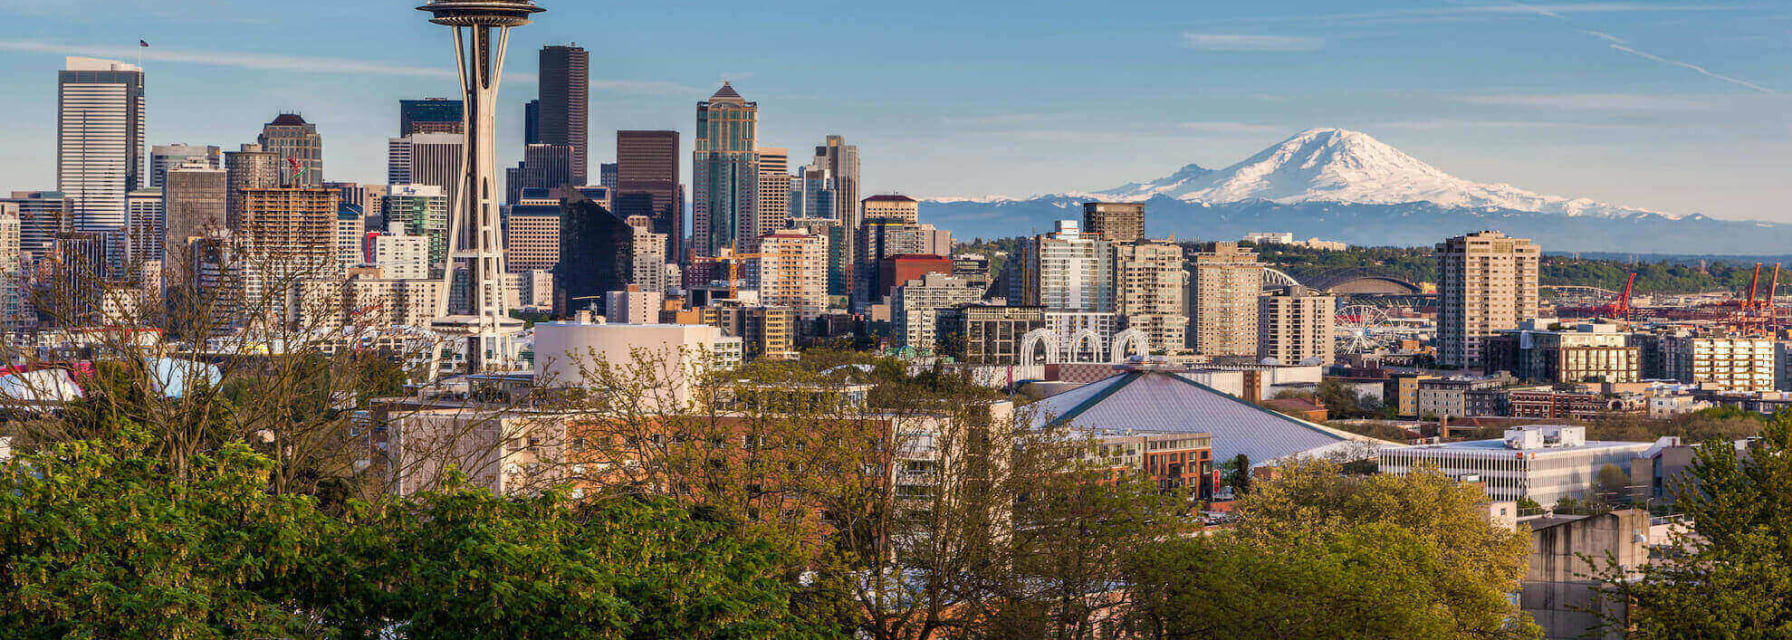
x: 1419, y: 264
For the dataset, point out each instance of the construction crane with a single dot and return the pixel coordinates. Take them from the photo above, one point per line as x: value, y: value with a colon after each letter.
x: 1621, y: 308
x: 297, y: 172
x: 731, y: 255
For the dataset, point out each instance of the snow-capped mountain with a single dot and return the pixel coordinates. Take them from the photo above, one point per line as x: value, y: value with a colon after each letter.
x: 1345, y: 185
x: 1335, y: 165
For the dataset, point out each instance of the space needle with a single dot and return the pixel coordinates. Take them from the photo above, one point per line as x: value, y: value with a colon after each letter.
x: 481, y: 319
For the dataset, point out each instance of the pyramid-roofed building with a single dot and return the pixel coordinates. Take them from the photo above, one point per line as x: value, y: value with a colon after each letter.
x: 1145, y: 401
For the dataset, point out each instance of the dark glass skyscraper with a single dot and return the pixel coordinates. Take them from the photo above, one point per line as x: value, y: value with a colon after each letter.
x: 565, y: 112
x: 532, y: 122
x: 432, y: 115
x: 596, y: 254
x: 647, y: 184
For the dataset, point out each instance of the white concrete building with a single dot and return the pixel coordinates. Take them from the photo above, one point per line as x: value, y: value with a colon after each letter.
x: 916, y: 305
x: 1068, y: 271
x: 400, y: 256
x: 1543, y: 463
x: 565, y: 351
x: 1733, y: 364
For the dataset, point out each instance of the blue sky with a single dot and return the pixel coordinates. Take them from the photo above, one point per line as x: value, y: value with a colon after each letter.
x: 1679, y: 106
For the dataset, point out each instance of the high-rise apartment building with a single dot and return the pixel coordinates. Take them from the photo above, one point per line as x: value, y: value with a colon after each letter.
x: 647, y: 184
x: 289, y: 236
x: 1297, y: 325
x: 1068, y: 271
x: 892, y: 207
x: 772, y: 212
x: 100, y: 128
x: 839, y: 288
x: 1151, y: 292
x: 916, y: 305
x: 419, y: 210
x: 427, y: 158
x: 1223, y: 287
x: 1487, y: 283
x: 164, y: 157
x: 12, y: 269
x: 294, y: 140
x: 400, y: 256
x: 792, y: 271
x: 565, y: 112
x: 351, y: 235
x: 1115, y: 221
x: 431, y: 115
x: 651, y: 270
x: 247, y: 168
x: 726, y: 168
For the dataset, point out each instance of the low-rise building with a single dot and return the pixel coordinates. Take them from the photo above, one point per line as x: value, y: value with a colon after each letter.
x: 1733, y: 364
x: 987, y: 334
x: 1458, y: 397
x: 1543, y: 463
x: 1591, y: 352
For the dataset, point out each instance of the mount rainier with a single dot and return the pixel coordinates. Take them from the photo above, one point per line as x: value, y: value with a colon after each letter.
x: 1346, y: 185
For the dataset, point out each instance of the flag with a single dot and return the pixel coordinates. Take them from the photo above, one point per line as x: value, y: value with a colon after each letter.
x: 143, y: 43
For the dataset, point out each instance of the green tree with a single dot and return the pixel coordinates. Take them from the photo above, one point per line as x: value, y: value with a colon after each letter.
x: 1311, y: 539
x: 100, y: 539
x: 1239, y: 477
x: 1734, y: 576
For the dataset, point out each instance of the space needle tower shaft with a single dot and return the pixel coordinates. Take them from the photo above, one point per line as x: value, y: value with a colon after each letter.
x: 476, y: 246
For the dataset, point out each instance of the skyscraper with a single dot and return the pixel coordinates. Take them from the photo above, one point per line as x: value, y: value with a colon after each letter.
x: 606, y: 175
x: 42, y: 215
x: 100, y: 126
x: 891, y: 207
x: 419, y: 210
x: 565, y: 112
x: 163, y: 157
x: 248, y: 168
x: 1223, y: 308
x: 1115, y: 221
x: 841, y: 160
x: 532, y: 122
x: 193, y: 207
x: 1487, y: 282
x: 647, y: 184
x: 596, y: 255
x: 812, y: 194
x: 289, y: 235
x: 726, y: 168
x: 145, y: 231
x: 427, y: 158
x: 430, y: 115
x: 772, y: 211
x: 532, y: 236
x: 294, y: 140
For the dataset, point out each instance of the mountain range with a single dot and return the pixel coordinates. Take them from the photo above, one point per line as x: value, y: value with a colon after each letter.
x: 1346, y: 185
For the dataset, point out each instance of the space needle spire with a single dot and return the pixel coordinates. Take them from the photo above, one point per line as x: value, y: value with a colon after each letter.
x: 481, y: 319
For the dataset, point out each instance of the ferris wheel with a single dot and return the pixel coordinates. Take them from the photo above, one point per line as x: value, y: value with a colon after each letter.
x: 1361, y: 328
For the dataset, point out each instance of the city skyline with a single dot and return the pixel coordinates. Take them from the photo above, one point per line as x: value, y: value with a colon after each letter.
x: 1658, y: 105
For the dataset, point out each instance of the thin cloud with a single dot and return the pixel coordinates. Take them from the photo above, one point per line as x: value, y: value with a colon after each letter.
x: 1695, y: 68
x: 1228, y: 127
x: 1480, y: 10
x: 307, y: 64
x: 230, y: 59
x: 1595, y: 102
x: 1239, y: 42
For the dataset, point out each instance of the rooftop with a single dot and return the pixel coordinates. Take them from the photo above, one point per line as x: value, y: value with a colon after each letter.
x: 1160, y: 402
